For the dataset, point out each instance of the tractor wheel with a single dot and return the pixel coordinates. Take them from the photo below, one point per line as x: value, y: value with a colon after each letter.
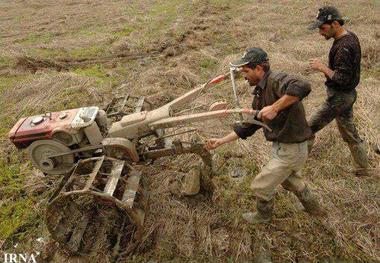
x: 39, y: 152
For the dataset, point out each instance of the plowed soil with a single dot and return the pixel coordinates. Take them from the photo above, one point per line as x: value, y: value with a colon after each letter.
x: 56, y: 55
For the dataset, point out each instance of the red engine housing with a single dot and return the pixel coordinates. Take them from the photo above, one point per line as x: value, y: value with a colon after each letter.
x: 30, y: 129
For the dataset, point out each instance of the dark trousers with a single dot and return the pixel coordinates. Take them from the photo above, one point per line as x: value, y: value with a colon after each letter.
x: 338, y: 106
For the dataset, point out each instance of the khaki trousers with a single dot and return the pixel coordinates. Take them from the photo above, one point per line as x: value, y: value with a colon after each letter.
x: 284, y: 168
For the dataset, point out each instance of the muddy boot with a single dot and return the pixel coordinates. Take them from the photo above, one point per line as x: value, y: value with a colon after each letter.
x: 360, y: 157
x: 263, y: 213
x: 309, y: 202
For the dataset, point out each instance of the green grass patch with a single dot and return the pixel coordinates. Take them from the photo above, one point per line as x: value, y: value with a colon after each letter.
x: 16, y: 207
x: 4, y: 132
x: 87, y: 52
x: 126, y: 31
x: 166, y: 12
x: 11, y: 180
x: 167, y: 9
x: 92, y: 51
x: 19, y: 18
x: 94, y: 71
x: 208, y: 63
x: 85, y: 32
x: 98, y: 72
x: 48, y: 53
x: 220, y: 2
x: 15, y: 214
x: 30, y: 39
x: 33, y: 38
x: 5, y: 61
x: 69, y: 99
x: 7, y: 82
x: 227, y: 2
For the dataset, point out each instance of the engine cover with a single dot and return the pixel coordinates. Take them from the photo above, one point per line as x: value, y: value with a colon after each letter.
x: 65, y: 124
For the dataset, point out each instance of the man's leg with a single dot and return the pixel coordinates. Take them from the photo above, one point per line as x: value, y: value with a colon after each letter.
x: 272, y: 175
x: 337, y: 103
x: 263, y: 186
x: 296, y: 184
x: 287, y: 158
x: 263, y: 214
x: 309, y: 201
x: 357, y: 147
x: 324, y: 115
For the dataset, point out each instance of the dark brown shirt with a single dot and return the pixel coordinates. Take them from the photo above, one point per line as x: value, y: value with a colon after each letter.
x: 344, y: 59
x: 290, y: 124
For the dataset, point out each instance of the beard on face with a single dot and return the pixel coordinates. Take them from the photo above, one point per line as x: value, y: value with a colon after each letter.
x: 251, y: 82
x: 327, y: 37
x: 329, y: 34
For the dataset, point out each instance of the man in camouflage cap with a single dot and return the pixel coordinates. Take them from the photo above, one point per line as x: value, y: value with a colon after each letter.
x: 277, y: 101
x: 342, y: 77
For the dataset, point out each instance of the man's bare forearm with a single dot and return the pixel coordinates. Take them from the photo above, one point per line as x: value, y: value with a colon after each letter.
x: 327, y: 71
x: 284, y: 102
x: 318, y: 65
x: 229, y: 138
x: 214, y: 143
x: 270, y: 112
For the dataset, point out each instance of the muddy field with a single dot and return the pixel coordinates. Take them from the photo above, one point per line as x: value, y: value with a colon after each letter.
x: 56, y: 55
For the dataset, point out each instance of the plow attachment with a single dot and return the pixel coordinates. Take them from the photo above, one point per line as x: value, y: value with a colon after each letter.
x: 100, y: 208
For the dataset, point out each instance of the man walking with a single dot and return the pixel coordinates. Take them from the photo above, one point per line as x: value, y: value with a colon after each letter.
x: 277, y: 97
x: 342, y: 77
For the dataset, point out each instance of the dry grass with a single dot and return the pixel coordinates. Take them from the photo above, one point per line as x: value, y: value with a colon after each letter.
x: 164, y: 49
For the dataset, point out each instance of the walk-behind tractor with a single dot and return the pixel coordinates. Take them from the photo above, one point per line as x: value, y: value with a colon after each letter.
x: 100, y: 202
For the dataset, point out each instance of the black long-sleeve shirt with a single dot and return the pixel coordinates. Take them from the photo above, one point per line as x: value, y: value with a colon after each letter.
x: 290, y: 125
x: 344, y: 60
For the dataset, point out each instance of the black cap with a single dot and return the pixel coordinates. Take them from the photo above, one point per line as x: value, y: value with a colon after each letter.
x: 326, y: 14
x: 253, y: 55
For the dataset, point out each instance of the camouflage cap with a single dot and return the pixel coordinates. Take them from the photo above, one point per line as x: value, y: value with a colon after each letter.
x: 326, y: 14
x: 252, y: 55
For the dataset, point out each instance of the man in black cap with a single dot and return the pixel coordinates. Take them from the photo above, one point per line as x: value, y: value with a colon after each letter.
x: 277, y: 97
x: 342, y: 77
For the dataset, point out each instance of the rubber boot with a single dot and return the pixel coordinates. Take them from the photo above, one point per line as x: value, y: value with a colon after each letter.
x: 309, y: 202
x: 360, y: 158
x: 263, y: 213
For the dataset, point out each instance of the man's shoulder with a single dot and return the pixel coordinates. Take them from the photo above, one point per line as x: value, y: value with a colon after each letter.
x: 275, y: 78
x: 352, y: 34
x: 351, y: 40
x: 280, y: 76
x: 277, y: 75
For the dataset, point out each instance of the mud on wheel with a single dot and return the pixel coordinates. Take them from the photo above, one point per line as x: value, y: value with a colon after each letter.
x: 40, y: 151
x: 100, y: 209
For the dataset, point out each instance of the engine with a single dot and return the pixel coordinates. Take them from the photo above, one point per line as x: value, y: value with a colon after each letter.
x: 54, y: 133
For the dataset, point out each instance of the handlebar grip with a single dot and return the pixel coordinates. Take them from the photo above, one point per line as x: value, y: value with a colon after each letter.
x: 217, y: 79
